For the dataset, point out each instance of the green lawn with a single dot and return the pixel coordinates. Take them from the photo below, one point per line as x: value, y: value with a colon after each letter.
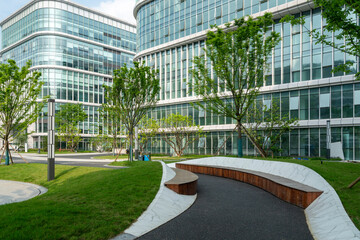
x: 82, y: 202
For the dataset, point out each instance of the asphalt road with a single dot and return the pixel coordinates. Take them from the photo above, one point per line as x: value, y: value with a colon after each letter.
x: 82, y: 159
x: 228, y: 209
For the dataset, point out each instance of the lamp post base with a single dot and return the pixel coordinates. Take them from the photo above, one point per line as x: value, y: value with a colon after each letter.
x: 51, y: 169
x: 328, y: 153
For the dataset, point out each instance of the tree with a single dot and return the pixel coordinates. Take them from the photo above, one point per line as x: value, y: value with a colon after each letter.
x: 238, y: 55
x: 21, y: 138
x: 133, y: 93
x: 148, y: 129
x: 179, y: 132
x: 102, y: 142
x: 19, y: 92
x: 340, y: 17
x: 267, y: 126
x: 111, y: 122
x: 68, y: 119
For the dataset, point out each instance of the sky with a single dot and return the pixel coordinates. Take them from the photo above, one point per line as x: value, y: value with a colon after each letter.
x: 122, y: 9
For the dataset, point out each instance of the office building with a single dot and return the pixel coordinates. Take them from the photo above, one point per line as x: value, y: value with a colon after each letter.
x: 75, y: 48
x: 171, y: 33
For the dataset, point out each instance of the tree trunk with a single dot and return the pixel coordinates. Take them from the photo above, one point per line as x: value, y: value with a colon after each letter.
x: 7, y: 152
x: 259, y: 148
x: 222, y: 146
x: 114, y: 146
x: 130, y: 147
x: 239, y: 142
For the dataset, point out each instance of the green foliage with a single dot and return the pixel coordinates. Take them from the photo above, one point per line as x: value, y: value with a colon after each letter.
x: 238, y: 55
x: 111, y: 122
x: 21, y: 138
x: 71, y: 114
x: 19, y: 90
x: 134, y: 92
x: 148, y: 129
x: 179, y: 131
x: 67, y: 120
x: 267, y: 126
x: 102, y: 142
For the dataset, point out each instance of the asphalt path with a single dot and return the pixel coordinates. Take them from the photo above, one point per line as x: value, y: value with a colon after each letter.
x: 229, y: 209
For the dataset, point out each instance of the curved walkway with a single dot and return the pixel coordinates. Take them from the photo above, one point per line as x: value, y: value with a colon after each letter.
x: 166, y: 205
x: 12, y: 191
x: 228, y: 209
x: 326, y: 216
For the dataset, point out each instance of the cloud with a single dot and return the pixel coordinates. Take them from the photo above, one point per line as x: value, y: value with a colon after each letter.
x: 122, y: 9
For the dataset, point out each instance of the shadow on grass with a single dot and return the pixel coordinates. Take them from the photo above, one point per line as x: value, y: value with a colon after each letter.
x: 65, y: 172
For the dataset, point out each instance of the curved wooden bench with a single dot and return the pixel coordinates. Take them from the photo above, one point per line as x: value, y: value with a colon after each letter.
x: 283, y: 188
x: 184, y: 182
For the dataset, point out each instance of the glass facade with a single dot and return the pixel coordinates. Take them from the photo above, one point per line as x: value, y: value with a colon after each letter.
x: 296, y: 104
x: 163, y: 21
x: 75, y: 49
x: 62, y: 51
x: 299, y: 76
x: 296, y: 59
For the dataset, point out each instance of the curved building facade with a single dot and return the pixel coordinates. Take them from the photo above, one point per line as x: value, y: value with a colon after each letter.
x: 169, y: 35
x: 75, y: 48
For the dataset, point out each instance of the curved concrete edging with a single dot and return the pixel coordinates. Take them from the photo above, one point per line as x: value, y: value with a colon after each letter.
x: 166, y: 205
x: 326, y: 216
x: 13, y: 191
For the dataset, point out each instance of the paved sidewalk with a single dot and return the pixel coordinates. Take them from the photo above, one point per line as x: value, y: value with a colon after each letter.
x: 228, y: 209
x: 12, y: 191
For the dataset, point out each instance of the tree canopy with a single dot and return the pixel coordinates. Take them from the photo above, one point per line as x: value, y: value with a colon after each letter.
x: 133, y: 93
x: 68, y: 119
x: 179, y: 132
x: 148, y: 129
x: 238, y: 55
x: 19, y: 105
x: 111, y: 122
x: 267, y: 126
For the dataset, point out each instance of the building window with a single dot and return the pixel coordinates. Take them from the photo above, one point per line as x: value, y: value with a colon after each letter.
x: 218, y: 12
x: 239, y: 5
x: 182, y: 26
x: 199, y: 19
x: 324, y: 103
x: 357, y: 101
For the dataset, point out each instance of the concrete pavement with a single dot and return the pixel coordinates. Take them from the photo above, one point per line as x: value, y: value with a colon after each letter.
x: 12, y: 191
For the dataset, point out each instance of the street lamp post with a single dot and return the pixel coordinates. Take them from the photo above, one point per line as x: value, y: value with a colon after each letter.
x: 51, y: 139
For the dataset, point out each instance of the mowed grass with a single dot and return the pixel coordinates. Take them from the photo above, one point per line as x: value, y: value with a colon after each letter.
x: 81, y: 203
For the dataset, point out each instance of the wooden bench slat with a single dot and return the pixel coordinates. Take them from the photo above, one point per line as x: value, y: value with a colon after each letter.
x: 286, y: 189
x: 184, y: 182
